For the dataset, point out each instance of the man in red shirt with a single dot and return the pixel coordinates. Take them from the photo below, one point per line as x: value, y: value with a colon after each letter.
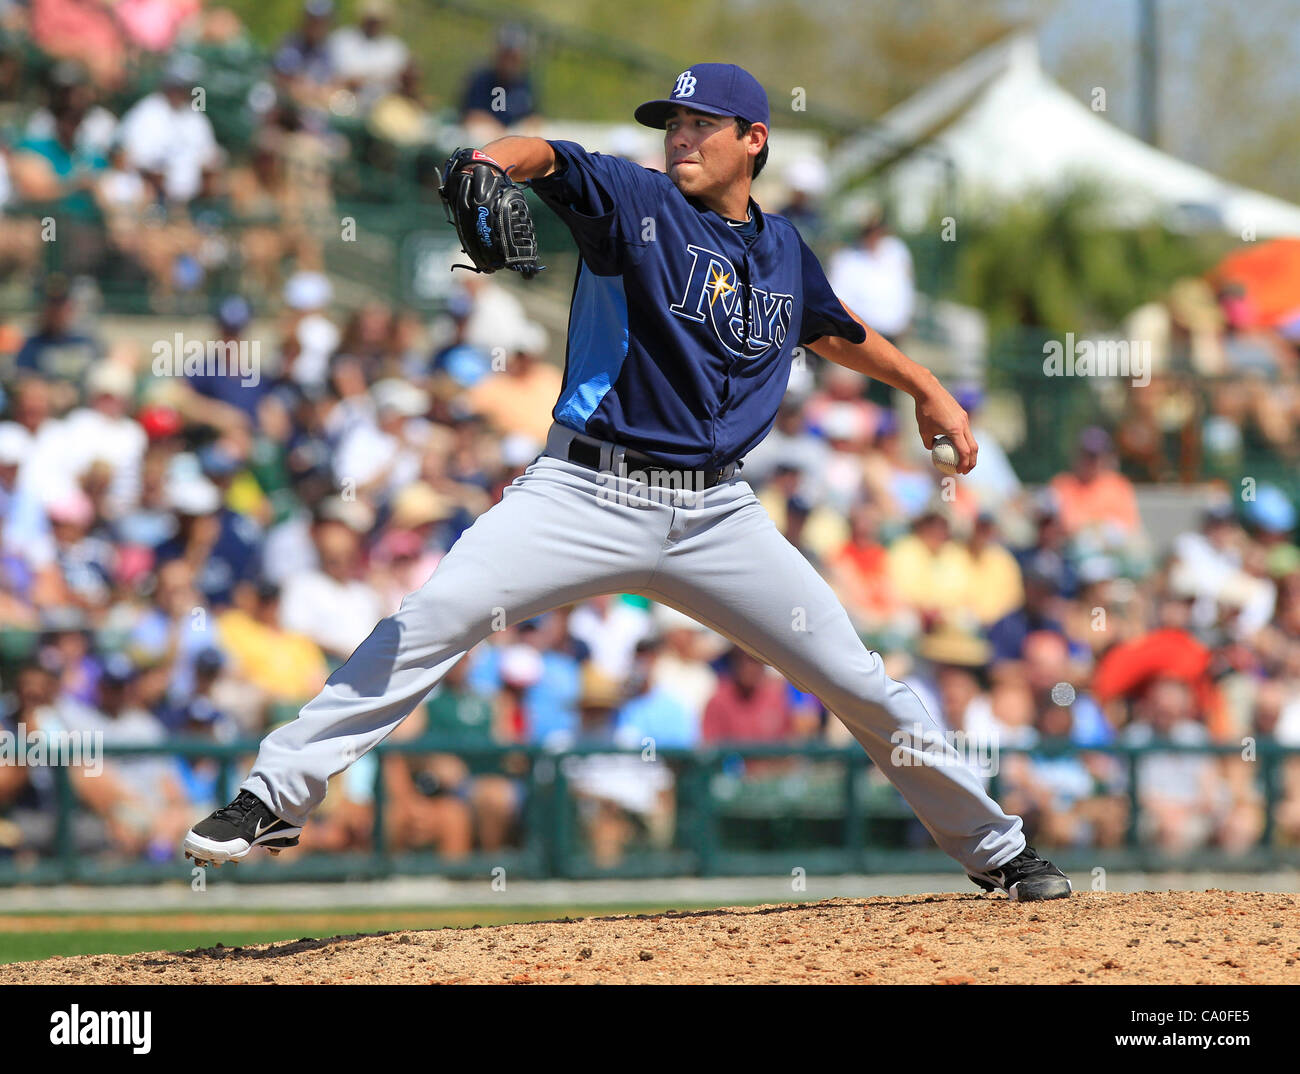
x: 751, y: 705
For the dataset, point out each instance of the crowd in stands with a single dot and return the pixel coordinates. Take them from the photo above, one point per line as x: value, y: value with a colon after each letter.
x: 177, y: 156
x: 191, y: 555
x: 187, y: 553
x: 1226, y: 387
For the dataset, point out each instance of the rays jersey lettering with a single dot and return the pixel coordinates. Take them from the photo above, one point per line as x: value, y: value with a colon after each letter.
x: 679, y: 345
x: 714, y: 296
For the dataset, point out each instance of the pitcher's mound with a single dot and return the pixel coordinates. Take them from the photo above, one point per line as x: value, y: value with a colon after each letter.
x: 1203, y: 937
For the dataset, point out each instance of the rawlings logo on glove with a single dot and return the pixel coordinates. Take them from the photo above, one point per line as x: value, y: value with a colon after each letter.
x: 490, y: 214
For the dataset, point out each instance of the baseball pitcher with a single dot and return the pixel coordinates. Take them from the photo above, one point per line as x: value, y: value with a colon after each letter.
x: 688, y: 305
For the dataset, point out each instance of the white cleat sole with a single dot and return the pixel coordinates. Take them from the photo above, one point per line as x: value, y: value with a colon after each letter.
x: 207, y: 852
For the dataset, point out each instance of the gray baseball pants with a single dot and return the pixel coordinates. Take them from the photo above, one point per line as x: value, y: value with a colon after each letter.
x: 563, y: 533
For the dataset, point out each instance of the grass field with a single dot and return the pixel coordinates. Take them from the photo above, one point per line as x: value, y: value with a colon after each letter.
x: 27, y: 937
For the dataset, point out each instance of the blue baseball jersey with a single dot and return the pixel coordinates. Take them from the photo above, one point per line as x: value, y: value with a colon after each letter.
x: 682, y: 327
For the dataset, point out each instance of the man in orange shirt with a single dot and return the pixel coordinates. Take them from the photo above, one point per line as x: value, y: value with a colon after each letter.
x: 1094, y: 495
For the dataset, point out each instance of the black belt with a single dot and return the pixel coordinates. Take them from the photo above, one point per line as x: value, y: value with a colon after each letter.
x: 587, y: 454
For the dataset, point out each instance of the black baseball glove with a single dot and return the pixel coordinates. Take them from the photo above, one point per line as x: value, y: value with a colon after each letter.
x: 489, y: 213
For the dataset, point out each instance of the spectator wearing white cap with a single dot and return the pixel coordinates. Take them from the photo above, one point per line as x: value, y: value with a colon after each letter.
x: 307, y: 291
x: 311, y: 338
x: 847, y: 435
x: 520, y: 668
x: 377, y: 459
x: 170, y: 141
x: 221, y: 545
x: 103, y: 430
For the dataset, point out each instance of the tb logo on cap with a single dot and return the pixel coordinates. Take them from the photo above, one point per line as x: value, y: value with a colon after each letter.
x: 685, y: 85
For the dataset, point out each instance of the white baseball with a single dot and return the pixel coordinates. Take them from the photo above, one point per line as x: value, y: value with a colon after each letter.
x: 944, y: 455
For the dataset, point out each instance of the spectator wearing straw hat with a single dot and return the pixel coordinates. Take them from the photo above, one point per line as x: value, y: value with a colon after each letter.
x: 620, y: 795
x: 412, y: 543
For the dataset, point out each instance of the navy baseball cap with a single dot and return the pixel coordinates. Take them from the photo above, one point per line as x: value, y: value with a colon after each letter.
x: 721, y: 89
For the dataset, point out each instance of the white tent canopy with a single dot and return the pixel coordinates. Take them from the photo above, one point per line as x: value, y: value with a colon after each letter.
x: 1008, y: 130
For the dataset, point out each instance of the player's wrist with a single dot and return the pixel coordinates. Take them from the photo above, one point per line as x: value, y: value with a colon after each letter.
x: 923, y: 385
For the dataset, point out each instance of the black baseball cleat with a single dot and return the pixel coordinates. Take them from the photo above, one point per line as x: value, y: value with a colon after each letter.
x: 233, y: 830
x: 1026, y: 878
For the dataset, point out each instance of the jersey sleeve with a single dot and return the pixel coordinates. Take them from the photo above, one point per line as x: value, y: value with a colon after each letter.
x: 823, y: 313
x: 605, y: 201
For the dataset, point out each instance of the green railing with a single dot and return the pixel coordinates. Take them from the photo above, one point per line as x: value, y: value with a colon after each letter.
x: 832, y: 813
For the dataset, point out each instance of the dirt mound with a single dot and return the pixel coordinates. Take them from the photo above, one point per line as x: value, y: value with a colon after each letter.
x: 1205, y: 937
